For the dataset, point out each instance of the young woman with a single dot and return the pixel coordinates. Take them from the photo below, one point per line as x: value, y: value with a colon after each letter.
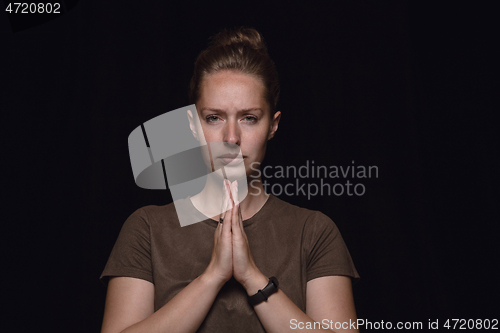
x: 215, y: 275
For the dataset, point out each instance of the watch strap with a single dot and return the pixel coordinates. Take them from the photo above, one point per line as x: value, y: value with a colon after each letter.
x: 264, y: 293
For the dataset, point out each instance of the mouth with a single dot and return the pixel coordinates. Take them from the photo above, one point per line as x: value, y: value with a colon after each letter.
x: 231, y: 159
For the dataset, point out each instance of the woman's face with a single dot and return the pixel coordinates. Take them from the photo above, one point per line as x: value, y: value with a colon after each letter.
x: 234, y: 116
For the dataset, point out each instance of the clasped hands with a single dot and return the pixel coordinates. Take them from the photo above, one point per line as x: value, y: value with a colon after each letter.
x: 231, y: 254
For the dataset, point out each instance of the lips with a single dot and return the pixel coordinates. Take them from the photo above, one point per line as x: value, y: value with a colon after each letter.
x: 231, y: 156
x: 231, y: 159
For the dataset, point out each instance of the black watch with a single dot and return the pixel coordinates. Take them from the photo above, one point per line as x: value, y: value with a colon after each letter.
x: 264, y: 293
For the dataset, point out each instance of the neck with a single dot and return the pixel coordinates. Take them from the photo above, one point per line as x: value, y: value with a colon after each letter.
x: 209, y: 200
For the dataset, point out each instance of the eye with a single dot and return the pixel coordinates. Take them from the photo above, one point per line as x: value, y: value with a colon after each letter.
x: 212, y: 119
x: 250, y: 119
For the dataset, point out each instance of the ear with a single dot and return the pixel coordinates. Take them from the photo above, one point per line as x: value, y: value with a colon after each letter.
x: 192, y: 125
x: 274, y: 125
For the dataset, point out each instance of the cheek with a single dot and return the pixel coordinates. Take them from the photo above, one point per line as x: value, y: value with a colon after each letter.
x: 258, y: 142
x: 206, y: 134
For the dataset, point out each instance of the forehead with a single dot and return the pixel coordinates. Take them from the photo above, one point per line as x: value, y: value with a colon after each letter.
x: 230, y: 90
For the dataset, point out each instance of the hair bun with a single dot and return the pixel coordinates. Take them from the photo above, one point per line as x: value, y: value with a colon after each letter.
x: 239, y: 49
x: 239, y: 36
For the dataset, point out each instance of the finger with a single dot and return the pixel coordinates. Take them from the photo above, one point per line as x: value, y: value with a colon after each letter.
x: 226, y: 199
x: 235, y: 220
x: 226, y: 225
x: 223, y: 199
x: 229, y: 199
x: 234, y: 216
x: 234, y: 191
x: 217, y: 234
x: 240, y: 219
x: 239, y: 215
x: 234, y: 195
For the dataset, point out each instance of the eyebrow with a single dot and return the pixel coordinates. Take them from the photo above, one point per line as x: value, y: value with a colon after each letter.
x: 220, y: 110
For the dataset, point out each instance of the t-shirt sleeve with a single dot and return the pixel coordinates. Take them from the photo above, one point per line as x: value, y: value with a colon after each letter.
x: 326, y: 251
x: 131, y: 254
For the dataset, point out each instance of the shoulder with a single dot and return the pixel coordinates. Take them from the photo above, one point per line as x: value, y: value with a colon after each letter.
x: 307, y: 217
x: 152, y: 215
x: 154, y: 211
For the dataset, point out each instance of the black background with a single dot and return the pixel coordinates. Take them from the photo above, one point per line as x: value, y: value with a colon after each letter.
x: 406, y: 86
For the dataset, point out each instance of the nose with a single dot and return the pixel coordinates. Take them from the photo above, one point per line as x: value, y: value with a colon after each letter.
x: 231, y: 134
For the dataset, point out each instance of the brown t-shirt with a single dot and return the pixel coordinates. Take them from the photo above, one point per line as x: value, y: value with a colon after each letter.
x: 291, y: 243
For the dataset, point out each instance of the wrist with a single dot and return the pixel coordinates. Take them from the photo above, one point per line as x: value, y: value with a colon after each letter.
x: 211, y: 280
x: 256, y: 281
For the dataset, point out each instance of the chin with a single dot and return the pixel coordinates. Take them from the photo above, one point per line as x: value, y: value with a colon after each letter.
x: 236, y: 172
